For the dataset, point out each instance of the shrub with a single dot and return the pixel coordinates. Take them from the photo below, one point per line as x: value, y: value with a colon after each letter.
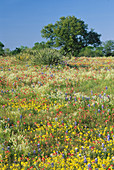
x: 48, y: 57
x: 87, y: 52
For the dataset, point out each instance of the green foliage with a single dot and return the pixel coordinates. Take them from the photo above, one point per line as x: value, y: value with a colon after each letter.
x: 16, y: 51
x: 19, y: 50
x: 99, y: 52
x: 47, y: 57
x: 108, y: 48
x: 1, y: 48
x: 41, y: 45
x: 87, y: 52
x: 70, y: 35
x: 92, y: 38
x: 91, y: 52
x: 27, y: 55
x: 29, y: 51
x: 7, y: 51
x: 23, y: 48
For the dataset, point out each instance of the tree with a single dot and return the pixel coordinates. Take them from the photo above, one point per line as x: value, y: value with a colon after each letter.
x: 1, y: 48
x: 40, y: 45
x: 70, y: 35
x: 108, y: 48
x: 19, y: 50
x: 23, y: 48
x: 92, y: 38
x: 16, y: 51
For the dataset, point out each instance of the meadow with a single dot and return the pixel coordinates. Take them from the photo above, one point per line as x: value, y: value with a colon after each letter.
x: 58, y: 117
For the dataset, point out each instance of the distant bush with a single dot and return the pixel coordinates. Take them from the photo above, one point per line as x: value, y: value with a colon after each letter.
x: 87, y: 52
x: 30, y: 51
x: 48, y: 56
x: 17, y: 50
x: 27, y: 55
x: 91, y: 52
x: 41, y: 45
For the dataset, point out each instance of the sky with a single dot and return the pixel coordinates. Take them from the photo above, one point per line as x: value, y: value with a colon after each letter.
x: 21, y: 21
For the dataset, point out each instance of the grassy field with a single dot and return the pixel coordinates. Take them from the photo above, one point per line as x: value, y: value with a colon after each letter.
x: 57, y: 117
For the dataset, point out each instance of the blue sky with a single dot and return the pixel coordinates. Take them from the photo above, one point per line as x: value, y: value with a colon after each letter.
x: 21, y: 21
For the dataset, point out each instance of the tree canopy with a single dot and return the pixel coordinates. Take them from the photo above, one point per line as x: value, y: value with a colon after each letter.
x: 70, y: 35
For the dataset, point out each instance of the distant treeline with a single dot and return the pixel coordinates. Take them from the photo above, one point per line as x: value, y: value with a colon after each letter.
x: 71, y: 37
x: 105, y: 49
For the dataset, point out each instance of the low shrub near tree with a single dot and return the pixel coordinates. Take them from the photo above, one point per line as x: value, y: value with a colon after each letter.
x: 48, y: 56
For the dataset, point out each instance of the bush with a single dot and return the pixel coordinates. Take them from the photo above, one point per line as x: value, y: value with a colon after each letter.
x: 27, y: 55
x: 91, y: 52
x: 87, y: 52
x: 48, y: 56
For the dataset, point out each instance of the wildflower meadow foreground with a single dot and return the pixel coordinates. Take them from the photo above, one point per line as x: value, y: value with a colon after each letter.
x: 58, y: 117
